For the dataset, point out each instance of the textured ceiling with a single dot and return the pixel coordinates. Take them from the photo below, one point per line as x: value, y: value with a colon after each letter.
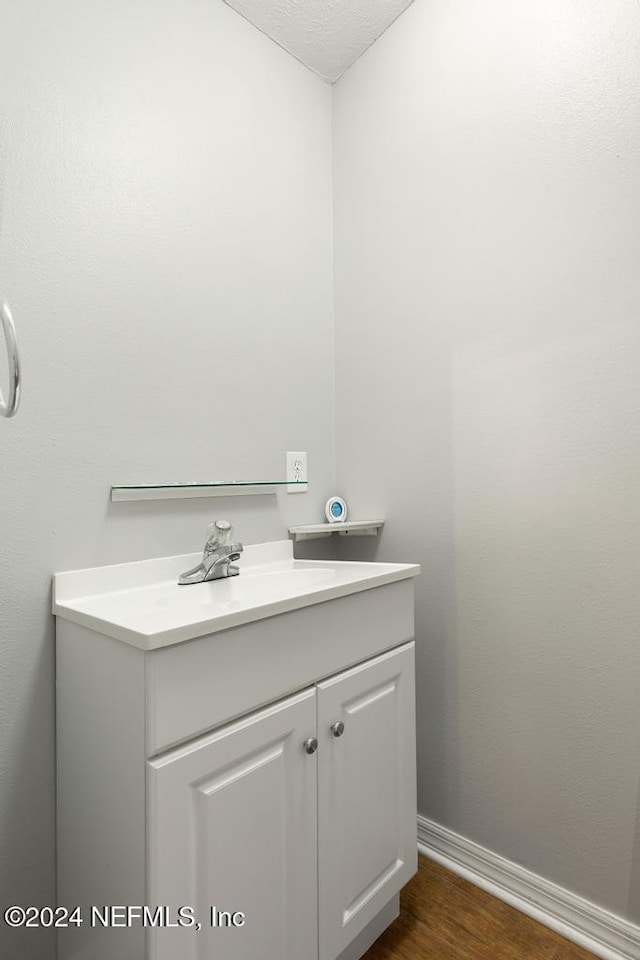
x: 326, y: 35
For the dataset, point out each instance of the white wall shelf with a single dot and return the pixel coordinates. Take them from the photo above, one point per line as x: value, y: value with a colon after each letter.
x: 350, y: 528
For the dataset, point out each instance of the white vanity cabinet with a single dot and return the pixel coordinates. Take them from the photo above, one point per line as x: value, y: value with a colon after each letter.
x: 262, y: 776
x: 305, y: 827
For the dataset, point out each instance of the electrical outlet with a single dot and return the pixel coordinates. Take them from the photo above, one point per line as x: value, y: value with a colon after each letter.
x: 296, y: 471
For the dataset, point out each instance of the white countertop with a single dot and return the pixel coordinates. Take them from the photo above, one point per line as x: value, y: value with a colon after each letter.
x: 141, y: 603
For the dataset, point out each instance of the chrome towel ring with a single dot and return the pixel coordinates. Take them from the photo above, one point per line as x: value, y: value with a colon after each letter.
x: 9, y: 407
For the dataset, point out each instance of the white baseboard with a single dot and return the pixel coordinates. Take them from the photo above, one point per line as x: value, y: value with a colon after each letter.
x: 603, y: 933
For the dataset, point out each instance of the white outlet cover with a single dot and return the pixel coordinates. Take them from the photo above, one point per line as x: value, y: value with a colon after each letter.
x: 297, y: 470
x: 326, y: 35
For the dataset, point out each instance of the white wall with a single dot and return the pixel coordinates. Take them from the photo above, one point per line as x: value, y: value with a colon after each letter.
x: 165, y: 244
x: 487, y: 242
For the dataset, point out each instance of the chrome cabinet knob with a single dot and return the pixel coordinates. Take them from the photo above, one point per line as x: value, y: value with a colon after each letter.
x: 310, y: 745
x: 337, y: 728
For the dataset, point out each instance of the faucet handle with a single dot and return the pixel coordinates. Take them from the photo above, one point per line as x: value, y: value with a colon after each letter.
x: 219, y: 532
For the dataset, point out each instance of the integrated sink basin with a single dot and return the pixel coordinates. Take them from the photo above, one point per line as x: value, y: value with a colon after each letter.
x: 142, y: 604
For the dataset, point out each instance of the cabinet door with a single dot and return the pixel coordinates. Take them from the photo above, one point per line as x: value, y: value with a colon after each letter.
x: 233, y: 826
x: 367, y: 830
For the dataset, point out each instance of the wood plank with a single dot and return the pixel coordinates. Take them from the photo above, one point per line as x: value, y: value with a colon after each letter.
x: 443, y: 917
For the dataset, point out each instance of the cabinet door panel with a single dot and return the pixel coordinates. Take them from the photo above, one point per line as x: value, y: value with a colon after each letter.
x: 367, y: 844
x: 232, y: 826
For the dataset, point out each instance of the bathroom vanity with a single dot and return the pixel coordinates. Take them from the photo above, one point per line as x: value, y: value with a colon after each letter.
x: 239, y: 752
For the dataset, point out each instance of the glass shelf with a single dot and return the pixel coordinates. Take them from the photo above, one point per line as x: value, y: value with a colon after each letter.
x: 211, y: 488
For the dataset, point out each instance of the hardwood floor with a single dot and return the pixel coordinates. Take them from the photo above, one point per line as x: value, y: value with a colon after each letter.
x: 443, y: 917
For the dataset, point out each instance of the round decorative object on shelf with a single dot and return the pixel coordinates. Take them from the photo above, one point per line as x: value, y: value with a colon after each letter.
x: 335, y: 510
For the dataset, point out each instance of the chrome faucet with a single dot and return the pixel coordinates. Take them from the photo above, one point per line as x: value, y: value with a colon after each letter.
x: 217, y: 557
